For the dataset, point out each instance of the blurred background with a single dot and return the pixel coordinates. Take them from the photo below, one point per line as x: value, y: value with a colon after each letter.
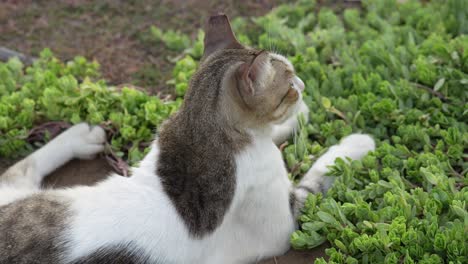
x: 118, y: 33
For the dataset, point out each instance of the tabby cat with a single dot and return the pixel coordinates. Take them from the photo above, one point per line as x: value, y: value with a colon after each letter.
x: 213, y: 188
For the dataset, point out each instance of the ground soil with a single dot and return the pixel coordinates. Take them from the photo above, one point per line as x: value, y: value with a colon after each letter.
x: 114, y: 32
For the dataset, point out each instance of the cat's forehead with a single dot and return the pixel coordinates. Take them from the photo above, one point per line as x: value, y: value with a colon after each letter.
x: 283, y: 60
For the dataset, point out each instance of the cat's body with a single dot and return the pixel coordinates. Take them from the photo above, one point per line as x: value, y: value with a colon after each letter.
x: 145, y: 216
x: 213, y: 188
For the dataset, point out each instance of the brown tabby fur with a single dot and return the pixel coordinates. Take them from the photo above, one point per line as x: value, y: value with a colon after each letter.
x: 29, y: 230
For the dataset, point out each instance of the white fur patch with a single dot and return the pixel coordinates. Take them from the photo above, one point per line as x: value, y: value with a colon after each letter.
x: 10, y: 194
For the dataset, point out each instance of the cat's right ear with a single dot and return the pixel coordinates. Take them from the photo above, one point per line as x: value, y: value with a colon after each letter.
x: 219, y: 35
x: 248, y: 73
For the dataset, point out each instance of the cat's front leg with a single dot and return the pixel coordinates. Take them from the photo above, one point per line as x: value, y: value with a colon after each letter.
x: 282, y: 132
x: 354, y: 146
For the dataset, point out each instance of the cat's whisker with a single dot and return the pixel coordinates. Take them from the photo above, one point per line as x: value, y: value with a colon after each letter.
x: 274, y: 48
x: 295, y: 129
x: 269, y: 35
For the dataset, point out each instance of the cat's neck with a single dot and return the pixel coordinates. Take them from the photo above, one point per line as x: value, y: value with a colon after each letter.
x: 260, y: 132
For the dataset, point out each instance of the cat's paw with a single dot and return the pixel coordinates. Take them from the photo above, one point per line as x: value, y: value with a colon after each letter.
x: 357, y: 146
x: 314, y: 181
x: 354, y: 146
x: 85, y: 140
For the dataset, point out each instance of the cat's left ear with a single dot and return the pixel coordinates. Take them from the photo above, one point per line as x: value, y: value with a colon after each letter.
x: 219, y: 35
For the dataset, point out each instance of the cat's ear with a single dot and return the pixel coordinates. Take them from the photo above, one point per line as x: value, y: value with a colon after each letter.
x: 249, y: 73
x: 219, y: 35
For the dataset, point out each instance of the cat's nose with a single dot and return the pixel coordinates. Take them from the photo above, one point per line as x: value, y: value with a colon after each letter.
x: 299, y: 83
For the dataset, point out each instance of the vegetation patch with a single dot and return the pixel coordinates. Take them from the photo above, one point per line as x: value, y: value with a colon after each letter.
x: 397, y: 71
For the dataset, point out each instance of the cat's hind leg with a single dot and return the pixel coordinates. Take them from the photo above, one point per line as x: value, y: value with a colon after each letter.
x: 80, y: 141
x: 354, y: 146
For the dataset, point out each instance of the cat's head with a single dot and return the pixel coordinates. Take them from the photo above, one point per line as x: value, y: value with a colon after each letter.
x: 249, y: 86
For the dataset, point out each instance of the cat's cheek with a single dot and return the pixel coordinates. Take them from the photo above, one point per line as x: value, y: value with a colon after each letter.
x: 284, y: 114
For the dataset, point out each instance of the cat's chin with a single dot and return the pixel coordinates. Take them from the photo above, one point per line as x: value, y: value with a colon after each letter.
x: 293, y: 110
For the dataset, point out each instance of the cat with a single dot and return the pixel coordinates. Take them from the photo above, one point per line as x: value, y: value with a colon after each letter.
x: 212, y: 189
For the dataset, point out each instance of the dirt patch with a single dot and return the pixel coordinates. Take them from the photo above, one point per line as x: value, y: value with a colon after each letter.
x: 78, y: 172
